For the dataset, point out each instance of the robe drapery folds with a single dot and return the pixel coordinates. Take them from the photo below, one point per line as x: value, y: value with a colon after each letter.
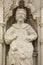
x: 20, y: 40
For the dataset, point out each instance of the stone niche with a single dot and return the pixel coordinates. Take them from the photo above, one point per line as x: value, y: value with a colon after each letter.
x: 5, y: 24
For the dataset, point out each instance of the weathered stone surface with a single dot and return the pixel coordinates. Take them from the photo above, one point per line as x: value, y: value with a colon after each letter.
x: 1, y: 30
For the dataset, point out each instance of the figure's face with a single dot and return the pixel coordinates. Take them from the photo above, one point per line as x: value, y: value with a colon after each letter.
x: 20, y: 15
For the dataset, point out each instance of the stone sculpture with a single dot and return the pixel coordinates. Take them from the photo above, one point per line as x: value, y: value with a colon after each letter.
x: 20, y: 36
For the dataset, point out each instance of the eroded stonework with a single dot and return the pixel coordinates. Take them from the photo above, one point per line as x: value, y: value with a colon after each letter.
x: 11, y: 4
x: 20, y: 36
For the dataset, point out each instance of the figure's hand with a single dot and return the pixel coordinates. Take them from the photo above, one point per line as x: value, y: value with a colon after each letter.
x: 13, y: 36
x: 28, y: 38
x: 32, y: 37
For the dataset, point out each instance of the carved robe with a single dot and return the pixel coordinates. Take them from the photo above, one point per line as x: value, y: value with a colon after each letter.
x: 20, y: 39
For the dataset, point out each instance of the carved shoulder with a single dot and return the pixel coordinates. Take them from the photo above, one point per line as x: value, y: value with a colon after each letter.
x: 10, y: 35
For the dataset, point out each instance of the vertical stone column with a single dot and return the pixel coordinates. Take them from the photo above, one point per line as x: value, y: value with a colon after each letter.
x: 37, y: 5
x: 0, y: 54
x: 41, y: 35
x: 1, y: 30
x: 41, y: 32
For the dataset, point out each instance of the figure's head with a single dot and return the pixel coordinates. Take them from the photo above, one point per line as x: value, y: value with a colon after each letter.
x: 20, y: 14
